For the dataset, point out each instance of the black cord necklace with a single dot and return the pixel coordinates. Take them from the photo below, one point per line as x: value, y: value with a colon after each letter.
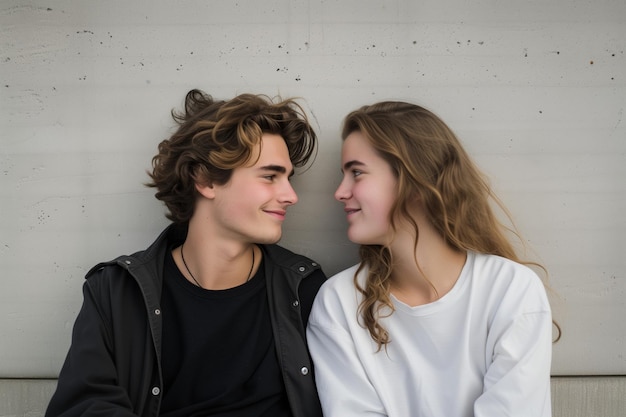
x: 182, y: 255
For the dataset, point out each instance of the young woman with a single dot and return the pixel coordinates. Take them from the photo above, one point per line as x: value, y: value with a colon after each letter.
x: 440, y: 317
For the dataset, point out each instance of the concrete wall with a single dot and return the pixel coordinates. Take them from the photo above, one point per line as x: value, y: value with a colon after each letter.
x: 536, y: 91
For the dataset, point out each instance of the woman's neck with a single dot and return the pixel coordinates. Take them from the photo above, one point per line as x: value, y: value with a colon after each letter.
x: 425, y: 273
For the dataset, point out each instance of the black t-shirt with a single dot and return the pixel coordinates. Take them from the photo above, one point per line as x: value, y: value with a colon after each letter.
x: 218, y: 352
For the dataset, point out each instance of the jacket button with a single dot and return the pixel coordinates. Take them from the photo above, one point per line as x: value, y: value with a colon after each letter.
x: 127, y: 262
x: 157, y: 311
x: 156, y: 391
x: 314, y: 263
x: 295, y: 303
x: 302, y: 269
x: 304, y: 370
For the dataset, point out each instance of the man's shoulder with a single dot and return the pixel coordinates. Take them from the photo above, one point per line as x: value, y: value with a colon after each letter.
x: 137, y: 260
x: 286, y: 258
x: 111, y: 276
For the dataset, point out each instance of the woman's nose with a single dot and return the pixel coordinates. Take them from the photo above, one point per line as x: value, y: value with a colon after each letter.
x: 343, y: 191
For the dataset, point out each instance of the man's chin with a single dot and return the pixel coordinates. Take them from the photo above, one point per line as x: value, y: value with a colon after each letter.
x: 270, y: 240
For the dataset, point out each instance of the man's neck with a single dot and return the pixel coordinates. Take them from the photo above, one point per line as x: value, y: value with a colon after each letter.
x: 216, y: 264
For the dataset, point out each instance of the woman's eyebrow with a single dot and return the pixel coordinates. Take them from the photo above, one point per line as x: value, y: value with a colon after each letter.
x: 350, y: 164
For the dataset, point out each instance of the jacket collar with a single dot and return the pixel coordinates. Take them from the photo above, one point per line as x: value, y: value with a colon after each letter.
x: 147, y: 265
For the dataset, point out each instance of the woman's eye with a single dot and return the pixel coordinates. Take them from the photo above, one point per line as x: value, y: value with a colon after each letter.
x: 356, y: 172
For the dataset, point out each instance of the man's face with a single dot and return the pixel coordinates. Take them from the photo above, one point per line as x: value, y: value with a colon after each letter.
x: 252, y: 205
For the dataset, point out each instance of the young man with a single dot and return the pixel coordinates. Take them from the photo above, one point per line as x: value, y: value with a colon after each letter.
x: 210, y: 319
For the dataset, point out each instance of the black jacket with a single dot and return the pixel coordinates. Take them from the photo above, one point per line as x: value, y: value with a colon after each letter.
x: 113, y: 366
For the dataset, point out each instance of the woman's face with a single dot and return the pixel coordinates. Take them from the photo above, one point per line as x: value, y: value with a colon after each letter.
x: 368, y: 190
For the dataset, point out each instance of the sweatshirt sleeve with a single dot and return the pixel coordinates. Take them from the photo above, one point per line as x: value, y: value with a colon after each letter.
x: 343, y: 385
x: 517, y: 382
x: 87, y: 382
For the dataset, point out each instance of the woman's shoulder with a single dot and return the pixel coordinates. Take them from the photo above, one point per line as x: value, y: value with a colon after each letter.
x: 342, y: 282
x: 508, y: 279
x: 502, y: 268
x: 337, y: 294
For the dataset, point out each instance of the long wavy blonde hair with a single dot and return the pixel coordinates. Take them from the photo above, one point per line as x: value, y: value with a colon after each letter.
x: 429, y: 161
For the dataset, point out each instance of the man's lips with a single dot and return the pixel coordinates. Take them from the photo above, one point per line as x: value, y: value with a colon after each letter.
x: 279, y: 214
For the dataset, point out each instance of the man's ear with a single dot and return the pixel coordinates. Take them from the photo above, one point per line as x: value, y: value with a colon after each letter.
x: 205, y: 189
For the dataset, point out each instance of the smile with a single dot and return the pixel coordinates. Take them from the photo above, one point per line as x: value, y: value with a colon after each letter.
x: 279, y: 214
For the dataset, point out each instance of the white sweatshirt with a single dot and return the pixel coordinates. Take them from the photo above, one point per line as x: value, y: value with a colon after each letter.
x: 484, y: 349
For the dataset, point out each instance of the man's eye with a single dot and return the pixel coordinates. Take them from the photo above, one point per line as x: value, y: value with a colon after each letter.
x: 356, y: 172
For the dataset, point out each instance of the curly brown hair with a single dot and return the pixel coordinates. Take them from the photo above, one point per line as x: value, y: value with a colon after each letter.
x: 427, y: 159
x: 215, y: 136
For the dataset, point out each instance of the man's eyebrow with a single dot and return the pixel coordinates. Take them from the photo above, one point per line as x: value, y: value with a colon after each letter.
x: 350, y: 164
x: 276, y: 168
